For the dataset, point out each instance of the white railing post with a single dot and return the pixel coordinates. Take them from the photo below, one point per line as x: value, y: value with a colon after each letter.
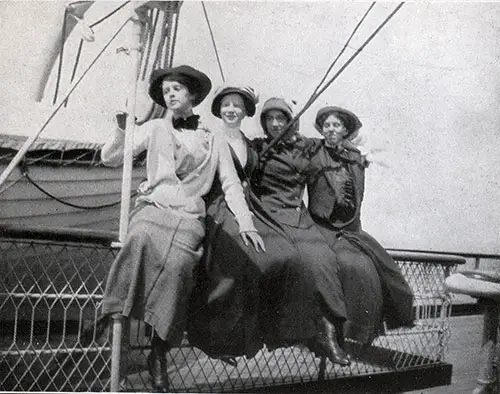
x: 134, y: 59
x: 117, y: 325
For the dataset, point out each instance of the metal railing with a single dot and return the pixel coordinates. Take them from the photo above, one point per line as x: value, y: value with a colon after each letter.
x: 51, y: 284
x: 473, y: 260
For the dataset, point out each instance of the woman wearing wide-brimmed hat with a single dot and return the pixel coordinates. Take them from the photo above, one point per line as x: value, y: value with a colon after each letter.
x: 292, y: 294
x: 241, y: 294
x: 279, y: 184
x: 374, y: 286
x: 151, y: 278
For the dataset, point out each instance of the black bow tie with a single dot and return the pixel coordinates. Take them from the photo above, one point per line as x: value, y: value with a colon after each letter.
x: 190, y: 123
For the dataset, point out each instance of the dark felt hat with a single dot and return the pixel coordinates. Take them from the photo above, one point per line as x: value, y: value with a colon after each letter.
x: 197, y: 83
x: 353, y: 123
x: 250, y: 98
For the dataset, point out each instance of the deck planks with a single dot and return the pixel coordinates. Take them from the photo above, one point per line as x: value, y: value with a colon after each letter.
x: 463, y: 353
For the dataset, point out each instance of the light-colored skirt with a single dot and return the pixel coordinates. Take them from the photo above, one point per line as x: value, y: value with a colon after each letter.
x: 152, y: 276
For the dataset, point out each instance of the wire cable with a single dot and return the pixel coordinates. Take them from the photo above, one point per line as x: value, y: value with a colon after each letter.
x: 315, y: 96
x: 342, y: 50
x: 26, y: 175
x: 213, y: 41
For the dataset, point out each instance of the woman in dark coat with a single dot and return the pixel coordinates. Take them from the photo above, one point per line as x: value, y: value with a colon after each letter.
x: 151, y: 278
x: 288, y: 295
x: 374, y: 287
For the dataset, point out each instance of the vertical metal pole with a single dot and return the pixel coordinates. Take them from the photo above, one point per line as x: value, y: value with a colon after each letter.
x: 116, y: 352
x: 135, y: 62
x: 487, y: 378
x: 322, y: 369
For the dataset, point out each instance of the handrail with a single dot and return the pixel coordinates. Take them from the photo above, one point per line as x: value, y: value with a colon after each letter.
x: 425, y: 256
x: 64, y: 234
x: 83, y: 235
x: 462, y: 254
x: 476, y: 256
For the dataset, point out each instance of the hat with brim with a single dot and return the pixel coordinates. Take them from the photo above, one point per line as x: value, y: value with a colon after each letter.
x: 198, y: 83
x: 250, y: 98
x: 279, y: 104
x: 353, y: 126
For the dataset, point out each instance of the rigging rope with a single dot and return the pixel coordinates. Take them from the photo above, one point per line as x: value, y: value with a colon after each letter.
x: 315, y: 96
x: 26, y: 175
x: 61, y: 53
x: 213, y: 40
x: 54, y: 112
x: 342, y: 51
x: 63, y: 41
x: 150, y: 30
x: 174, y: 38
x: 110, y: 14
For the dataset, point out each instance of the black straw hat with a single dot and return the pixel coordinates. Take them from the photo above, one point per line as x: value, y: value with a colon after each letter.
x: 199, y: 84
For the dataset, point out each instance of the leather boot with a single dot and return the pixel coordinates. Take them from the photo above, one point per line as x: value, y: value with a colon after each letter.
x: 157, y: 364
x: 326, y: 344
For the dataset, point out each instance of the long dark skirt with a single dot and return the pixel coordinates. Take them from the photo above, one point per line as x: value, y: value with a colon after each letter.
x: 374, y: 287
x: 320, y: 292
x: 151, y: 279
x: 244, y: 299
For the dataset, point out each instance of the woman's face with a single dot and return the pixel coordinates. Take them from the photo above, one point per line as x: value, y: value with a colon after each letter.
x: 232, y: 109
x: 333, y: 130
x: 276, y: 121
x: 177, y: 98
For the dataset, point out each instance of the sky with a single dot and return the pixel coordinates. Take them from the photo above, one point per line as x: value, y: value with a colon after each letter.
x: 426, y: 89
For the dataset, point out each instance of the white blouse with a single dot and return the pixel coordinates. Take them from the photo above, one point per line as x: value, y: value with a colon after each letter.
x: 181, y: 166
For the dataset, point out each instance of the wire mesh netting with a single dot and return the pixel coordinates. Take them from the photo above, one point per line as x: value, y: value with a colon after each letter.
x: 49, y: 292
x: 51, y: 339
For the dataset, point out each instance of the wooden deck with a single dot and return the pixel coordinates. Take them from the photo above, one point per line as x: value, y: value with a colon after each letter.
x: 463, y: 353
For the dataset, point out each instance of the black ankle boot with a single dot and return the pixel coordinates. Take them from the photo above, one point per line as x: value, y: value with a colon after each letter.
x: 326, y: 344
x: 157, y: 364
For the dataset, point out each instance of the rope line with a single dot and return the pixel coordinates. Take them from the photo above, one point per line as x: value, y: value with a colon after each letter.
x: 77, y: 60
x: 174, y: 37
x: 61, y: 53
x: 56, y: 110
x: 359, y: 50
x: 26, y: 175
x: 109, y: 15
x: 315, y: 96
x: 213, y: 40
x: 342, y: 50
x: 75, y: 66
x: 149, y: 40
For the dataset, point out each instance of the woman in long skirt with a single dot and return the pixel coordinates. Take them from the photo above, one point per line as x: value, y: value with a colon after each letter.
x: 151, y: 278
x: 290, y: 294
x: 374, y: 287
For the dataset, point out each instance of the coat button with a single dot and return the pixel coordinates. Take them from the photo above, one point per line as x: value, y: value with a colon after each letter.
x: 244, y: 184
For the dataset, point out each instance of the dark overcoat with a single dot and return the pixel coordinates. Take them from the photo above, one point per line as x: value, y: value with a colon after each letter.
x: 374, y: 287
x: 244, y: 299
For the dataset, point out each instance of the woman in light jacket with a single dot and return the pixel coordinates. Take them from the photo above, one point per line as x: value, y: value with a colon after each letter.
x: 151, y: 278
